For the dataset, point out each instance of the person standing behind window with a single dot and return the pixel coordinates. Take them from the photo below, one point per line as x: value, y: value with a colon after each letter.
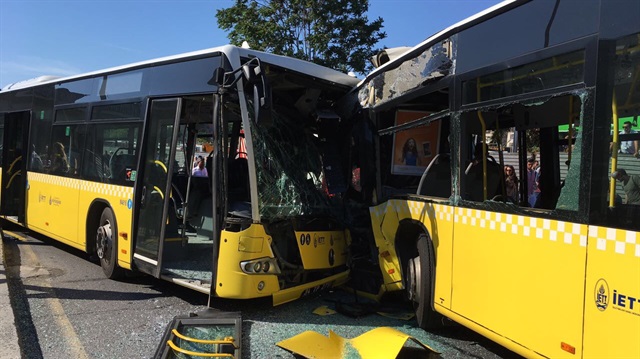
x: 511, y: 183
x: 532, y: 179
x: 199, y: 170
x: 59, y: 162
x: 629, y: 147
x: 630, y: 185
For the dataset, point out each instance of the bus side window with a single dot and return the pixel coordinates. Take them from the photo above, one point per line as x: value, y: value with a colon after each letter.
x: 624, y: 203
x: 111, y: 154
x: 58, y: 163
x: 529, y: 153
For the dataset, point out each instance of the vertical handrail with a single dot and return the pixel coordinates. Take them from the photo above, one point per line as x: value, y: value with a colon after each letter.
x: 570, y: 135
x: 484, y: 155
x: 614, y: 152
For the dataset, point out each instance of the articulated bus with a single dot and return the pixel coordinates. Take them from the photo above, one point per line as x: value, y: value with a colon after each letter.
x: 548, y: 267
x: 211, y: 169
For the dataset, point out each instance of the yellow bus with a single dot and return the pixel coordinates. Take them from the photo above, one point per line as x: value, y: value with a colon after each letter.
x: 208, y: 169
x: 548, y: 265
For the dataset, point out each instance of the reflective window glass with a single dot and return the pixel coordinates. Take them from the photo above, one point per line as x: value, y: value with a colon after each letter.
x: 557, y: 71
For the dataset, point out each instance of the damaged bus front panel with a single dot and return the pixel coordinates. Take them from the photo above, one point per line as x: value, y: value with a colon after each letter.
x: 283, y: 233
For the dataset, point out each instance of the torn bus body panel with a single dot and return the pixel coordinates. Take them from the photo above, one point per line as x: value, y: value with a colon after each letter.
x: 379, y: 343
x: 435, y: 62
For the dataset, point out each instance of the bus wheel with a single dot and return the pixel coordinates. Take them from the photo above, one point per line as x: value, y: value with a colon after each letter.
x: 106, y: 245
x: 418, y: 283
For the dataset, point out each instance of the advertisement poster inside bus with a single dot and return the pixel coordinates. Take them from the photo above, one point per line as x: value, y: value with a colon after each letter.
x: 413, y: 149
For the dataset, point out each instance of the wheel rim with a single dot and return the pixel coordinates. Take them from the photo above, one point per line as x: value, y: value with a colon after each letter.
x: 413, y: 279
x: 104, y: 241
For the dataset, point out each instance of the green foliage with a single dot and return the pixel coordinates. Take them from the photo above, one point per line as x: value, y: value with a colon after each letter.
x: 332, y: 33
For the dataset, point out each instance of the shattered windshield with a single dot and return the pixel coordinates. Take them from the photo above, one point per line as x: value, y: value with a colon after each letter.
x: 289, y: 169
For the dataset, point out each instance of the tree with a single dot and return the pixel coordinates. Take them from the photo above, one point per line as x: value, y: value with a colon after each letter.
x: 332, y: 33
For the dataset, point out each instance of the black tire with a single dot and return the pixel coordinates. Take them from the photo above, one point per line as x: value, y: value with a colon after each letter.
x: 419, y: 284
x: 107, y: 245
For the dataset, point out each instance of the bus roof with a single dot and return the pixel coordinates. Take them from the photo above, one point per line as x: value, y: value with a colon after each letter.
x: 232, y: 52
x: 468, y: 22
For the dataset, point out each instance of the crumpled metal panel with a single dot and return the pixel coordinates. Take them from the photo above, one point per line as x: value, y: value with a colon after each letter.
x: 433, y: 63
x: 379, y: 343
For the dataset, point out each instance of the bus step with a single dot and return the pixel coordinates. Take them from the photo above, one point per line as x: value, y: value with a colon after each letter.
x: 207, y: 334
x: 21, y: 236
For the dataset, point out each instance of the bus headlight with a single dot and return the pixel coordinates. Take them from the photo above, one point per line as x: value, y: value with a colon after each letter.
x: 260, y: 266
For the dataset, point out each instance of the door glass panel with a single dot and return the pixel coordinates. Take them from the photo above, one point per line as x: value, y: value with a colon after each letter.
x: 156, y: 165
x: 13, y: 169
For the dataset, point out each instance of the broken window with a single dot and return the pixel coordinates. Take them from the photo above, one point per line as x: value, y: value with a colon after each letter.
x: 432, y: 64
x: 526, y: 154
x: 289, y: 168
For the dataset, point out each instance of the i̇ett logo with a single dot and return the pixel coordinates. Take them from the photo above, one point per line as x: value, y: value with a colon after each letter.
x: 601, y: 294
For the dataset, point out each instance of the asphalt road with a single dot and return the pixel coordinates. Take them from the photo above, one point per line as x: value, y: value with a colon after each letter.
x: 65, y: 308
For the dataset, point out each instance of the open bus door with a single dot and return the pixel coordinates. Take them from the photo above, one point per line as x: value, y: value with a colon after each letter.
x: 154, y: 191
x: 14, y: 165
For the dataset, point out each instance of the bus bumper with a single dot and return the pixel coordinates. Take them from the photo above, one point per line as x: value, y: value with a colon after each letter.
x: 291, y: 294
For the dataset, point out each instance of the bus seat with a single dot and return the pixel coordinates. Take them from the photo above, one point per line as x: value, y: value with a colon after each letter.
x: 474, y: 181
x: 177, y: 200
x: 436, y: 180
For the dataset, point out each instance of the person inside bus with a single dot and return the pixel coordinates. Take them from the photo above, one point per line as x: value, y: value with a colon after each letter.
x: 35, y: 163
x: 629, y: 147
x: 199, y: 170
x: 59, y: 162
x: 511, y: 183
x: 630, y: 185
x: 532, y: 181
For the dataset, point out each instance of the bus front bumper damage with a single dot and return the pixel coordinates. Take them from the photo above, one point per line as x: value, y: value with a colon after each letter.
x: 291, y: 294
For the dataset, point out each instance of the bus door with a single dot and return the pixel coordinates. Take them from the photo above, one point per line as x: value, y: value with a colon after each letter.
x: 152, y: 195
x: 14, y: 168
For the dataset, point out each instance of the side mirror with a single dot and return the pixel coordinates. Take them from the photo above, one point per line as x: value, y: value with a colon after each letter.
x: 254, y: 75
x: 262, y: 102
x: 255, y: 81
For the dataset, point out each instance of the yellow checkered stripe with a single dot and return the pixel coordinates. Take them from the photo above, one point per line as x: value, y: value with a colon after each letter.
x: 412, y: 209
x: 100, y: 189
x: 535, y: 228
x: 616, y: 240
x: 607, y: 239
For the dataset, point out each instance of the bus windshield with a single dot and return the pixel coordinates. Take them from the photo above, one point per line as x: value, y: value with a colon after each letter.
x: 289, y: 169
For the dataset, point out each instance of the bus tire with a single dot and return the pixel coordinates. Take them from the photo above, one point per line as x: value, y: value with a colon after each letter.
x: 420, y: 277
x: 107, y: 245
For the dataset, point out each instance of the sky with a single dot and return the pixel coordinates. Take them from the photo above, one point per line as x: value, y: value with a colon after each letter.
x: 70, y: 37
